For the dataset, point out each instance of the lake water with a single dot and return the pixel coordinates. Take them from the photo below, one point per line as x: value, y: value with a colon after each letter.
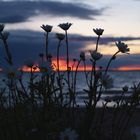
x: 121, y: 78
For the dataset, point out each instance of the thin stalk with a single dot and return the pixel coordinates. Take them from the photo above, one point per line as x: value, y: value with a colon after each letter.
x: 86, y: 74
x: 58, y: 58
x: 67, y: 49
x: 58, y: 66
x: 76, y: 74
x: 31, y: 83
x: 93, y: 71
x: 68, y: 72
x: 47, y: 34
x: 110, y: 61
x: 72, y: 76
x: 97, y: 43
x: 9, y: 56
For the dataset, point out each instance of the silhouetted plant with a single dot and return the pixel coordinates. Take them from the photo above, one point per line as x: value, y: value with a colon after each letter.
x: 44, y: 106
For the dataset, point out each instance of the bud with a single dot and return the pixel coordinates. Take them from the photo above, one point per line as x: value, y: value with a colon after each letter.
x: 60, y: 36
x: 125, y: 88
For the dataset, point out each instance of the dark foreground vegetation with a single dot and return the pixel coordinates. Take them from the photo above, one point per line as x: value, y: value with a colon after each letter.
x: 45, y: 106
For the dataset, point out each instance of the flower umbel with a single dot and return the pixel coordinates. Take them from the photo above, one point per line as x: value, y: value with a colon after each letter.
x: 68, y: 134
x: 95, y: 55
x: 122, y: 47
x: 107, y: 81
x: 1, y: 27
x: 46, y: 28
x: 98, y: 31
x: 65, y: 26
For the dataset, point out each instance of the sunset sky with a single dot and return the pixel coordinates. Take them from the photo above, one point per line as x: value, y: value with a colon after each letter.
x: 119, y: 19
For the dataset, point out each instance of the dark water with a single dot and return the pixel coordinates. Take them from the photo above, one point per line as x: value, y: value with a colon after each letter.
x: 121, y: 78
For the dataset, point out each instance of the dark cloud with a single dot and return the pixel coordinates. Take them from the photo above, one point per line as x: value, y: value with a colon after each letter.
x: 20, y: 11
x: 103, y: 40
x: 25, y: 44
x: 12, y: 19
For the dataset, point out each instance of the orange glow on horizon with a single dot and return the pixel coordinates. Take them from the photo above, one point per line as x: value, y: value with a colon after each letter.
x: 129, y: 68
x: 63, y: 67
x: 72, y: 64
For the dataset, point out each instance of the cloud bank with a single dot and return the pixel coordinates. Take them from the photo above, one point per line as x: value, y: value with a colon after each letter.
x: 25, y: 44
x: 21, y: 11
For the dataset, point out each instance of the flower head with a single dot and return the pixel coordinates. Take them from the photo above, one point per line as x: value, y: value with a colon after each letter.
x: 60, y: 36
x: 122, y: 47
x: 65, y: 26
x: 82, y: 56
x: 46, y: 28
x: 1, y: 27
x: 68, y: 134
x: 107, y: 81
x: 98, y: 31
x: 95, y: 55
x: 4, y: 35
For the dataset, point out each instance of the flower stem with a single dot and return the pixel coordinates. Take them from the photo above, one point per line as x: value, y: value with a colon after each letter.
x: 47, y: 45
x: 68, y: 72
x: 76, y: 74
x: 9, y: 56
x: 67, y: 50
x: 58, y: 58
x: 110, y: 61
x: 97, y: 43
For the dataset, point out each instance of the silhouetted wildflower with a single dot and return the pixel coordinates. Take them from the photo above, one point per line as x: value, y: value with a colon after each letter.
x: 98, y: 31
x: 107, y: 81
x: 95, y: 55
x: 60, y: 36
x: 46, y: 28
x: 65, y: 26
x: 122, y: 47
